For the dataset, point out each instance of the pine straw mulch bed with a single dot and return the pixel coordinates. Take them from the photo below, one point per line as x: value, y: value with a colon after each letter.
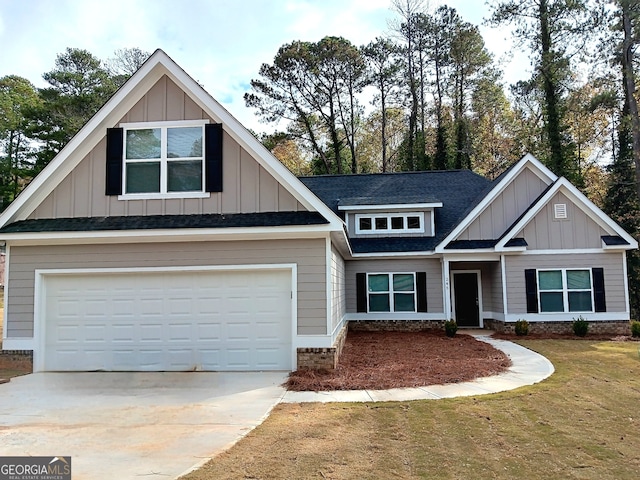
x: 383, y: 360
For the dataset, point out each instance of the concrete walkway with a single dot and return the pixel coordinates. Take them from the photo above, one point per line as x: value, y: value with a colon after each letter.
x: 527, y: 368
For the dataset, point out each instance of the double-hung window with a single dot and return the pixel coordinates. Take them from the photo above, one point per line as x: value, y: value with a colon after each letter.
x: 391, y: 292
x: 164, y: 158
x: 565, y: 291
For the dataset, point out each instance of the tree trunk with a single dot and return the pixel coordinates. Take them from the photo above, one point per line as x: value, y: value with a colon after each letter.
x: 552, y: 123
x: 383, y: 136
x: 441, y: 153
x: 630, y: 88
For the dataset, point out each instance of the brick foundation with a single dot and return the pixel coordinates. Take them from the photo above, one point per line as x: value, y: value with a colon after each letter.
x: 614, y: 327
x: 322, y: 358
x: 17, y: 353
x: 395, y: 325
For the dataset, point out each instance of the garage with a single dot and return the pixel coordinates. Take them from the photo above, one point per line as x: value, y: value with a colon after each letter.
x: 169, y: 320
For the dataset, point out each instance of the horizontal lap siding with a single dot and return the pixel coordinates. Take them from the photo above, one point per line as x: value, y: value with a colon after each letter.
x: 309, y: 255
x: 613, y: 276
x: 338, y: 288
x: 432, y: 267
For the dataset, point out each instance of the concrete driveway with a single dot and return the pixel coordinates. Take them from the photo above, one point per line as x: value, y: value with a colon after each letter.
x: 133, y: 425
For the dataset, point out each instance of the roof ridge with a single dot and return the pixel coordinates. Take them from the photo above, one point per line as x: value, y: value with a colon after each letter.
x: 379, y: 174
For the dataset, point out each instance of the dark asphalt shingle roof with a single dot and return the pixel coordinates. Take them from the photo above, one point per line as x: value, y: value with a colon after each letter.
x: 458, y: 190
x: 470, y: 244
x: 517, y: 242
x: 387, y: 200
x: 613, y: 240
x: 270, y: 219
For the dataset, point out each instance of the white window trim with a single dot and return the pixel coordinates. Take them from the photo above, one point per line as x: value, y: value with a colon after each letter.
x: 163, y: 194
x: 391, y: 292
x: 388, y: 216
x: 565, y: 290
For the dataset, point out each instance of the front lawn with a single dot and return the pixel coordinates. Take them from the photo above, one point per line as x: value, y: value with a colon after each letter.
x: 581, y: 423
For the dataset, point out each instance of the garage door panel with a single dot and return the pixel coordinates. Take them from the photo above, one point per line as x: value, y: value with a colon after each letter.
x: 179, y: 333
x: 124, y: 333
x: 232, y: 320
x: 208, y: 331
x: 237, y: 358
x: 209, y: 358
x: 96, y: 333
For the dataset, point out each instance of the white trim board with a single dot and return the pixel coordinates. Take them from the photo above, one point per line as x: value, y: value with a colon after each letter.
x: 168, y: 235
x: 384, y: 208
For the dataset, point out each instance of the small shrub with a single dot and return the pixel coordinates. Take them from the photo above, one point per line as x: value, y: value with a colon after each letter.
x: 450, y: 328
x: 635, y: 329
x: 522, y: 327
x: 580, y: 326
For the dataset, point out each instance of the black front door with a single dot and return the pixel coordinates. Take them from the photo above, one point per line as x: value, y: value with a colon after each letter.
x: 465, y: 288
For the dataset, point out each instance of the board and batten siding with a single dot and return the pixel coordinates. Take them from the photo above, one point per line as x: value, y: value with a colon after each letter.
x: 515, y: 265
x: 309, y: 255
x: 578, y: 230
x: 247, y: 187
x: 432, y: 267
x: 515, y: 199
x: 338, y: 288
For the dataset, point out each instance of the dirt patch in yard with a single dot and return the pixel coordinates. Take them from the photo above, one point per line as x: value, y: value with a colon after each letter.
x: 382, y: 360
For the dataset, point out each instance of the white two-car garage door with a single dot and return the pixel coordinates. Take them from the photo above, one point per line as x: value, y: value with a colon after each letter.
x: 168, y: 321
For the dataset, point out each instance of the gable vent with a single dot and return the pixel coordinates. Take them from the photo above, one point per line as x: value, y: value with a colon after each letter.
x: 560, y: 211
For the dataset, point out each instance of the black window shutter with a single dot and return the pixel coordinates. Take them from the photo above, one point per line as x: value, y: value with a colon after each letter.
x: 115, y: 146
x: 361, y: 292
x: 421, y: 291
x: 531, y: 286
x: 598, y: 290
x: 213, y: 157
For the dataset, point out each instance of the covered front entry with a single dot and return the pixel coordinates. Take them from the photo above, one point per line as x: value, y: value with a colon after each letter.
x: 467, y: 298
x: 173, y: 320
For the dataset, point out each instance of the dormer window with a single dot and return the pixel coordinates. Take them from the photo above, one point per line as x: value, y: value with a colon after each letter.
x: 411, y: 222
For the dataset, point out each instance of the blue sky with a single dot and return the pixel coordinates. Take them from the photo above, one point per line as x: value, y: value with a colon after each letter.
x: 220, y: 43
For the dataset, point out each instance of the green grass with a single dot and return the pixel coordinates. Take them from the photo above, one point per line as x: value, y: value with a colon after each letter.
x: 581, y: 423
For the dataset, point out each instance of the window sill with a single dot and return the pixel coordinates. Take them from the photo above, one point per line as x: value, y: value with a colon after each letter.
x: 163, y: 196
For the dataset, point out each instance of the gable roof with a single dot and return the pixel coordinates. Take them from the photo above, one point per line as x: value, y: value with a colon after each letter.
x: 157, y: 65
x: 582, y: 202
x: 494, y: 190
x: 455, y: 190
